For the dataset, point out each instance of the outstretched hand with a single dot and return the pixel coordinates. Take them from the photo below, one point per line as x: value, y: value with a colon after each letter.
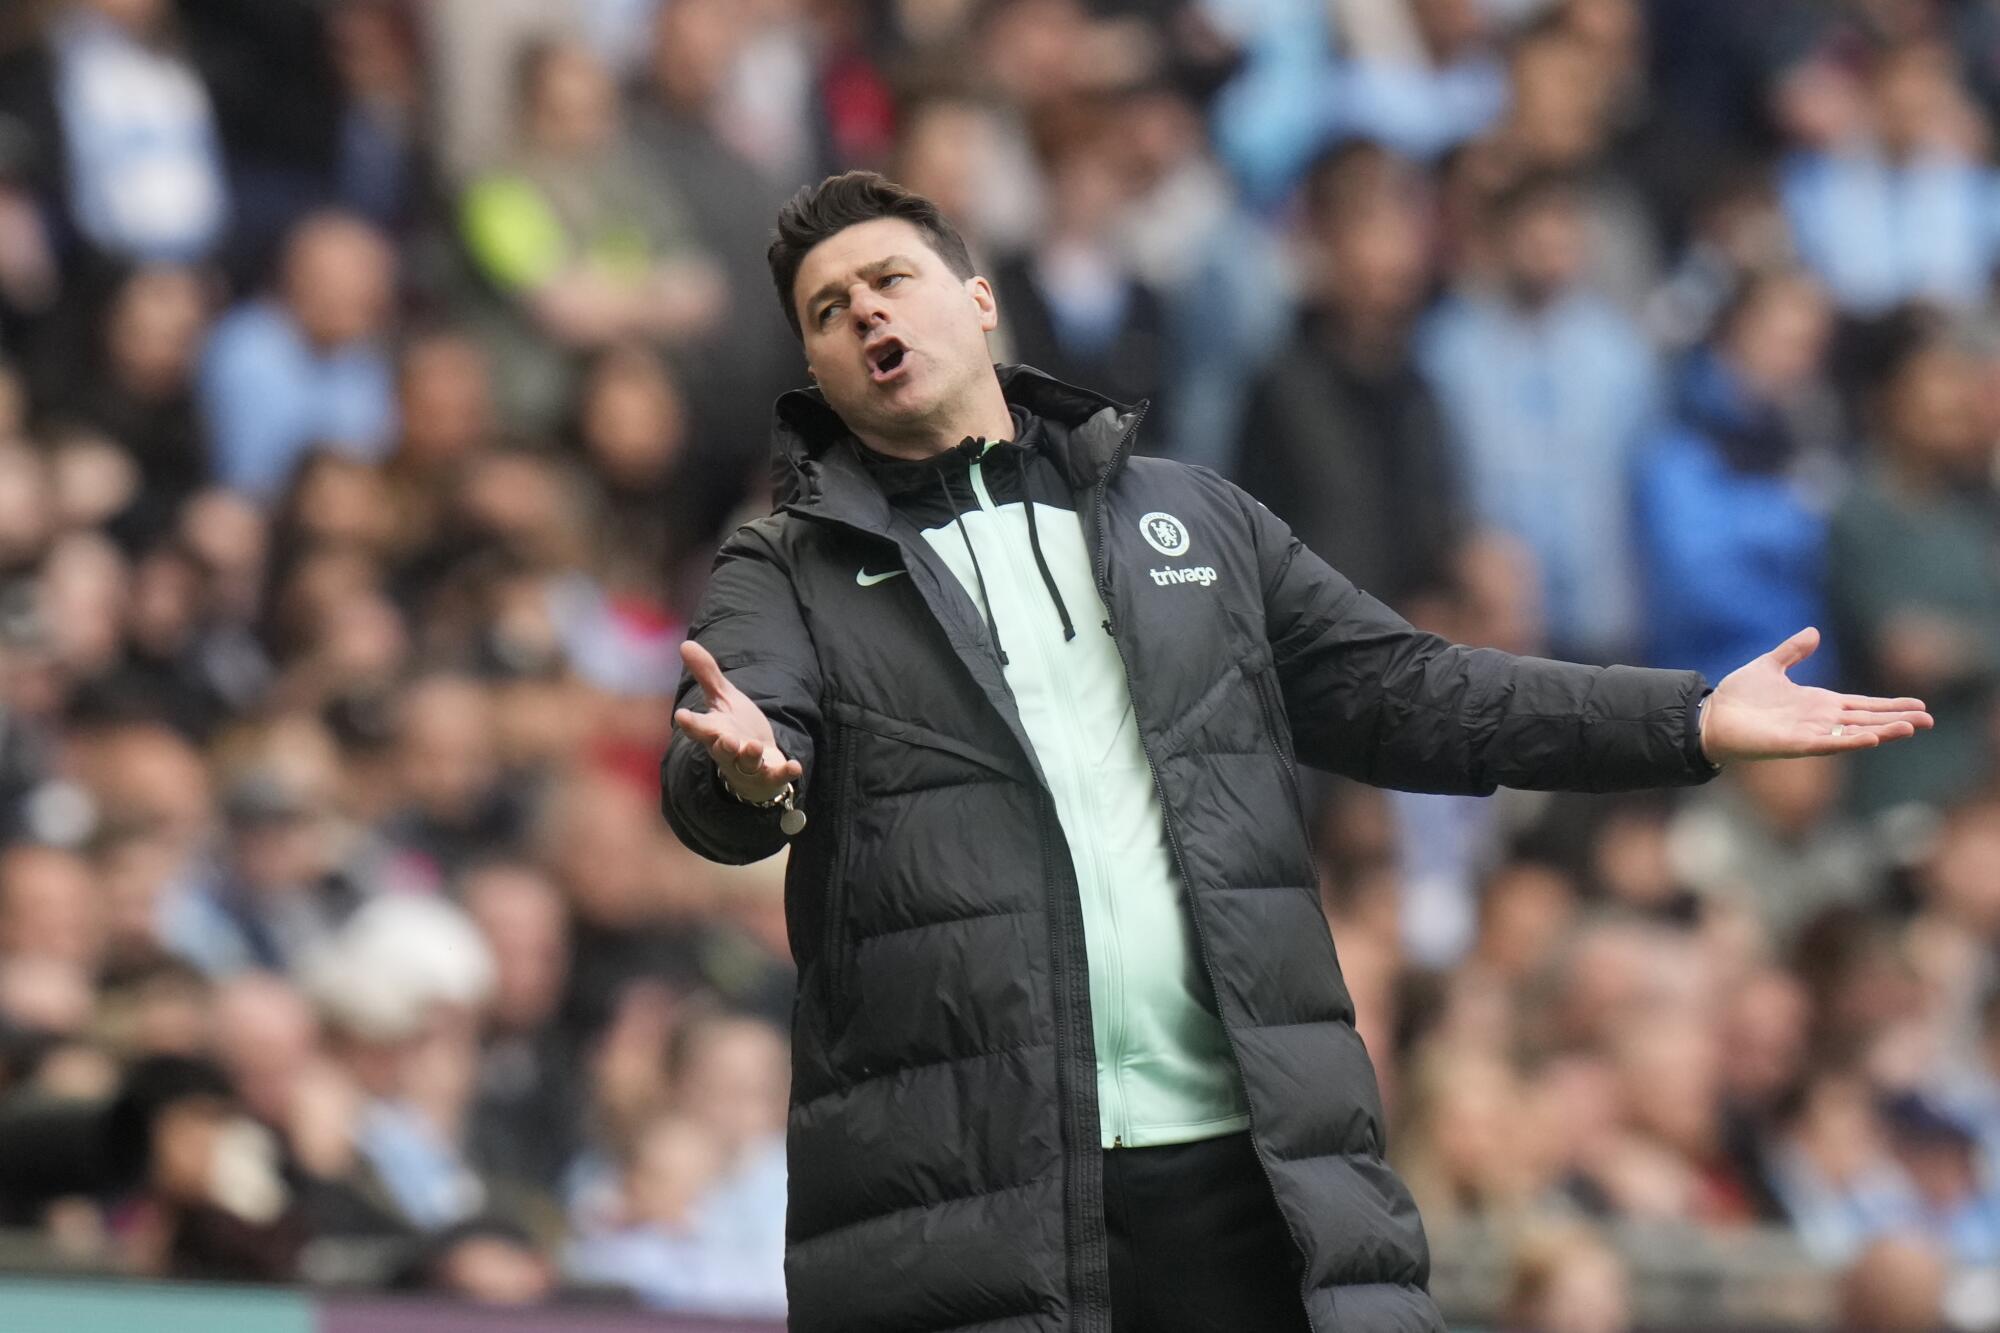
x: 1757, y: 712
x: 735, y: 731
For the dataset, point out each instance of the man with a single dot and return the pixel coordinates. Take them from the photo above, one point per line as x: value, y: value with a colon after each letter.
x: 1071, y: 1049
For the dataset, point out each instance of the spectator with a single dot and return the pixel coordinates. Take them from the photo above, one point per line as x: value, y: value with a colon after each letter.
x: 656, y: 1248
x: 1901, y: 208
x: 1912, y: 585
x: 123, y: 132
x: 1897, y: 1285
x: 1074, y: 306
x: 1437, y: 86
x: 1731, y: 498
x: 487, y: 1261
x: 582, y: 241
x: 1342, y: 433
x: 1568, y: 1281
x: 528, y: 1114
x: 1776, y: 841
x: 1547, y: 390
x: 277, y: 896
x: 304, y: 366
x: 137, y: 391
x: 452, y: 803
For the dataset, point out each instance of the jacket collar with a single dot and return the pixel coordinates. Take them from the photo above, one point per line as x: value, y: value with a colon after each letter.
x: 816, y: 471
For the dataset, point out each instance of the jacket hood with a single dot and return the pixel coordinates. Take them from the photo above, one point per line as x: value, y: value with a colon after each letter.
x: 813, y: 460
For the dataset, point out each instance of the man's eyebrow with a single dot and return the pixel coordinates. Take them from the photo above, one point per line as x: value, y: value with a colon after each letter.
x: 874, y: 268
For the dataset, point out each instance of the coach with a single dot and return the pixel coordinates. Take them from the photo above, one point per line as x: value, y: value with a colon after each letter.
x: 1071, y: 1049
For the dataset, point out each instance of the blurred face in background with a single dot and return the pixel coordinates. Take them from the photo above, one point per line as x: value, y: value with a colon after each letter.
x: 266, y: 1037
x: 1560, y: 98
x: 1930, y: 411
x: 49, y: 906
x: 444, y: 400
x: 673, y: 1164
x: 339, y: 280
x: 1778, y: 340
x: 1376, y: 260
x: 27, y: 506
x: 445, y: 758
x: 572, y: 103
x: 945, y: 154
x: 695, y: 44
x: 734, y: 1079
x: 1668, y: 1065
x: 634, y: 422
x: 139, y: 17
x: 1450, y: 28
x: 1543, y: 246
x: 527, y: 927
x: 1918, y: 101
x: 155, y: 329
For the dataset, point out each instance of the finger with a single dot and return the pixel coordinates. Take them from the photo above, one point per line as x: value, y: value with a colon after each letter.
x: 1855, y: 717
x: 707, y: 672
x: 781, y: 768
x: 1859, y: 738
x: 1868, y: 703
x: 1796, y: 649
x: 707, y: 728
x: 1888, y: 731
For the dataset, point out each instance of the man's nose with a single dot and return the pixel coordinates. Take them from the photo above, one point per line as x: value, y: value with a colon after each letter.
x: 868, y: 310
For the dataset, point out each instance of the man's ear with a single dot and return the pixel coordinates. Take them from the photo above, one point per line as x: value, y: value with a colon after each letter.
x: 981, y: 292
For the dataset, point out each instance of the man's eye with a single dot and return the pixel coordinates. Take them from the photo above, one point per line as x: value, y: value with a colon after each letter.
x: 893, y: 277
x: 827, y: 313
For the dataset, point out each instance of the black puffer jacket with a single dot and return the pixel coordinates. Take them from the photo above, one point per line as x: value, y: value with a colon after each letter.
x: 945, y: 1168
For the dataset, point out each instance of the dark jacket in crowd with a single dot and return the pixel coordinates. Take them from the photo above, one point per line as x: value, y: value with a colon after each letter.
x: 945, y: 1168
x: 1355, y: 459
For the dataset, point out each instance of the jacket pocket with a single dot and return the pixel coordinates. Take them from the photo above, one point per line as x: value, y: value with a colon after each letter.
x: 1264, y: 682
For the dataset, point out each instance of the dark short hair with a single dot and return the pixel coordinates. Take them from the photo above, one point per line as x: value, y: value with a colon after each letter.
x: 818, y: 212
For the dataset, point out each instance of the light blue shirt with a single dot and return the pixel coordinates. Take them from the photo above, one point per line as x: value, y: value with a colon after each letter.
x: 270, y: 396
x: 145, y: 166
x: 1416, y: 109
x: 1546, y: 410
x: 729, y: 1259
x: 1879, y: 232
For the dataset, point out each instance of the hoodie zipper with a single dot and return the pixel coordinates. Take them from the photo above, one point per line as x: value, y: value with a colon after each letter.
x: 1173, y: 833
x: 1116, y: 1114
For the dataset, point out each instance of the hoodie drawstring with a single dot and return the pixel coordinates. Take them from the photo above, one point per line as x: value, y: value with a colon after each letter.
x: 978, y: 574
x: 1035, y: 545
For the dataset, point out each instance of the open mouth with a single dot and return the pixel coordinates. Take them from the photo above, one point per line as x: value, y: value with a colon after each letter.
x: 885, y: 359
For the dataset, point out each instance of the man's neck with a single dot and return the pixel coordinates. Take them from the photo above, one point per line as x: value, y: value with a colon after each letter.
x: 983, y: 413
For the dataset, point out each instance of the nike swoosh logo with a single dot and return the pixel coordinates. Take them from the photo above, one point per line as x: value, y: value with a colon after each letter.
x: 867, y: 580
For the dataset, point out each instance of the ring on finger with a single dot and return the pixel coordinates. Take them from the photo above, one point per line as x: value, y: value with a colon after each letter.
x: 756, y: 766
x: 1839, y: 730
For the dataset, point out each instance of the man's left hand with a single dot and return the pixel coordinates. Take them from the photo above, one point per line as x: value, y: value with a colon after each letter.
x: 1757, y: 712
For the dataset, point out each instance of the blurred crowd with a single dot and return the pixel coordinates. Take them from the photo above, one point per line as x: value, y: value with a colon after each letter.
x: 378, y: 376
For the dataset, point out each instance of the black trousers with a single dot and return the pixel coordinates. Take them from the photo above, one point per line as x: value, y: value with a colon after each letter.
x: 1197, y: 1243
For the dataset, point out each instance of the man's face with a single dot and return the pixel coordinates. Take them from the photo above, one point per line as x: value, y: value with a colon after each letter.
x: 892, y: 336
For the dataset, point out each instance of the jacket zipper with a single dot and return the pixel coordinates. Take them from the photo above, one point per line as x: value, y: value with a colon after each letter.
x: 1115, y: 1025
x: 833, y: 929
x: 1173, y: 833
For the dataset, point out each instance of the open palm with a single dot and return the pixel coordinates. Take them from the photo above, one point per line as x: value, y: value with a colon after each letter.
x: 735, y: 731
x: 1758, y: 712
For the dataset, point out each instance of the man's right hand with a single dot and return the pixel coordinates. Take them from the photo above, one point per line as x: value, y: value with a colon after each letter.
x: 736, y: 732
